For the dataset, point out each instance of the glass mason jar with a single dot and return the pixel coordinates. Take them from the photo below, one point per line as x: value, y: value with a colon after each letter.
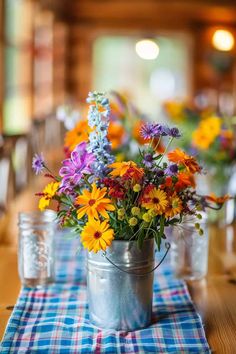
x: 36, y: 259
x: 189, y: 250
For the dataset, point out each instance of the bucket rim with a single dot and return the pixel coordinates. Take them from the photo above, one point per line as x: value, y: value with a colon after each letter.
x: 133, y: 241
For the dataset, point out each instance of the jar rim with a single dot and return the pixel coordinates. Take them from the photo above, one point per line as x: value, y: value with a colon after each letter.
x: 47, y: 215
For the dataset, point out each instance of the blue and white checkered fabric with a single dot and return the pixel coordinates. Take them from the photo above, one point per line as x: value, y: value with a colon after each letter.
x: 55, y: 319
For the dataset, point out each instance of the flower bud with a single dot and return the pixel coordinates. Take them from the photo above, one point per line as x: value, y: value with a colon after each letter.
x: 135, y: 211
x: 133, y: 221
x: 121, y: 217
x: 121, y: 212
x: 201, y: 232
x: 137, y: 188
x: 147, y: 217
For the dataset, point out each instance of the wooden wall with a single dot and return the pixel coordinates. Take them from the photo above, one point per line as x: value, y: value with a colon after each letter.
x: 1, y: 63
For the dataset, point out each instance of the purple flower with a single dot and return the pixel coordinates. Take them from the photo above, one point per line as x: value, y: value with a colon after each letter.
x: 171, y: 170
x: 38, y: 163
x: 162, y: 130
x: 148, y: 160
x: 159, y: 173
x: 148, y: 130
x: 76, y: 166
x: 174, y: 132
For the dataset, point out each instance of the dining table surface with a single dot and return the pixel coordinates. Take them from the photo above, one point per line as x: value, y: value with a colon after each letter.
x: 214, y: 296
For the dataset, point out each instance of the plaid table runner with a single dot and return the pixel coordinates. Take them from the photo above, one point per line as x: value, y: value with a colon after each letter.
x: 55, y: 319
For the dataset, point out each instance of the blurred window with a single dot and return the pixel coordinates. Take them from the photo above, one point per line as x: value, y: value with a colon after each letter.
x: 117, y: 66
x: 18, y: 35
x: 43, y: 64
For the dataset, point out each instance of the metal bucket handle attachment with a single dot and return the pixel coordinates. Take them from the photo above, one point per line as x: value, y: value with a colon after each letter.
x: 167, y: 246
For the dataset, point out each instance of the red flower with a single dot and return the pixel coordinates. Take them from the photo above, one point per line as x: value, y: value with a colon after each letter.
x: 168, y: 183
x: 133, y: 173
x: 116, y: 190
x: 143, y: 197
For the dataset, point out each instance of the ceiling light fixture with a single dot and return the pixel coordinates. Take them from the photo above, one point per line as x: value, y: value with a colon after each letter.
x: 223, y: 40
x: 147, y: 49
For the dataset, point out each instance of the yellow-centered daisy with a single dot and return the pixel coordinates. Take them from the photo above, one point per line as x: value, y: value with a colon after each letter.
x: 97, y: 235
x: 156, y: 200
x: 94, y: 203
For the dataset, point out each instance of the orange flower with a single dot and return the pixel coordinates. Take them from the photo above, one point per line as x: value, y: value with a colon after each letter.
x: 192, y: 165
x: 116, y: 110
x: 179, y: 156
x: 120, y: 168
x: 136, y: 132
x: 94, y: 203
x: 227, y: 134
x: 77, y: 135
x: 134, y: 173
x: 174, y: 207
x: 175, y: 110
x: 218, y: 200
x: 116, y: 134
x: 184, y: 180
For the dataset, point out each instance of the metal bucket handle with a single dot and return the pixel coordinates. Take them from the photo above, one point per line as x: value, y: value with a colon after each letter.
x: 167, y: 246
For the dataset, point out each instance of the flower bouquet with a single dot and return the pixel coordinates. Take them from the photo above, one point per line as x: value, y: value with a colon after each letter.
x: 119, y: 209
x: 212, y: 138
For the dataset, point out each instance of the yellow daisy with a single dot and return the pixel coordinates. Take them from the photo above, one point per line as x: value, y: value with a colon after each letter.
x: 201, y: 139
x: 97, y: 235
x: 174, y: 207
x: 207, y: 132
x: 155, y: 200
x: 48, y: 193
x: 94, y: 203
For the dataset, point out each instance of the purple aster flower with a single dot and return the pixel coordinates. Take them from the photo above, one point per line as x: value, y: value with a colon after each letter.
x: 162, y: 130
x: 38, y: 163
x: 149, y: 130
x: 174, y: 132
x: 171, y: 170
x: 148, y: 160
x: 76, y: 166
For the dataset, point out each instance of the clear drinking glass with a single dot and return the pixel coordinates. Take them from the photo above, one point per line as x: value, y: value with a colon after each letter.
x: 36, y: 259
x: 189, y: 250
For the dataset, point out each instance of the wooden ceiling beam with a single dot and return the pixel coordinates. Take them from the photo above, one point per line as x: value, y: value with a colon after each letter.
x: 135, y: 10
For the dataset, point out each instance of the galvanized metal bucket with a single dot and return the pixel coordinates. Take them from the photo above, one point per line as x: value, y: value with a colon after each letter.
x: 120, y: 285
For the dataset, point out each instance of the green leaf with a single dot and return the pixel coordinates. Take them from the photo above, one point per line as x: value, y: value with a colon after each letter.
x: 174, y: 221
x: 140, y: 240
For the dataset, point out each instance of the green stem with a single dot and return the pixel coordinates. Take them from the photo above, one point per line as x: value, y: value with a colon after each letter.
x: 166, y: 149
x: 157, y: 144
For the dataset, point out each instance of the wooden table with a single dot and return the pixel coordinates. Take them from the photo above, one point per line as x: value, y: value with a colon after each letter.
x: 215, y: 296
